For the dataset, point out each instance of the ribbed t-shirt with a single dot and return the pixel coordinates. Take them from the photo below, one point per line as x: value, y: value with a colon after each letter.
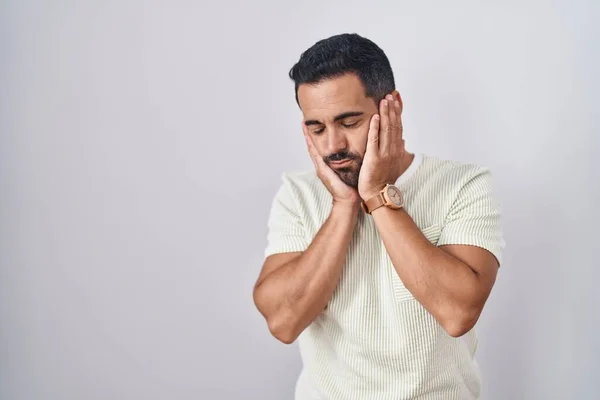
x: 375, y: 340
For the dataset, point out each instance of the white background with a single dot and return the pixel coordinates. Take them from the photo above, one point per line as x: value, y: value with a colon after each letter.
x: 141, y: 144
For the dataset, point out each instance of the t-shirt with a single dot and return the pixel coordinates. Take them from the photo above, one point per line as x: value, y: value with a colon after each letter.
x: 374, y: 340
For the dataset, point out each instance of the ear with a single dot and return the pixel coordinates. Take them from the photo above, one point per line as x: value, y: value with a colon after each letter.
x: 396, y: 95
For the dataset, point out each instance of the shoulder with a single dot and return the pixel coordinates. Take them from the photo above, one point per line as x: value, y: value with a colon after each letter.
x: 304, y: 194
x: 304, y: 188
x: 301, y: 183
x: 452, y: 173
x: 299, y: 177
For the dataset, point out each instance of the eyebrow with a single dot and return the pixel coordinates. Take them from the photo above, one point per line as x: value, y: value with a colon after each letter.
x: 337, y: 117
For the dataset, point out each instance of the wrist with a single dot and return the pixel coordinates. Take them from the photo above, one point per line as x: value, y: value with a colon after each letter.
x: 346, y: 206
x: 369, y: 194
x: 390, y: 196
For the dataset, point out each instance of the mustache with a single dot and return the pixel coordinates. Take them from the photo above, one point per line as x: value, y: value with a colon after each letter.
x: 340, y: 156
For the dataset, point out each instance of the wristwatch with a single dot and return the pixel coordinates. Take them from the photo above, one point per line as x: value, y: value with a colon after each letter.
x: 390, y: 196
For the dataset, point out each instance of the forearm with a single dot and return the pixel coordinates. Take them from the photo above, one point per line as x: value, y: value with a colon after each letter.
x: 448, y: 288
x: 292, y: 296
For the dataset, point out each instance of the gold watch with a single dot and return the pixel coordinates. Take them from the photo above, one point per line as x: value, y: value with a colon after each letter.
x: 390, y: 196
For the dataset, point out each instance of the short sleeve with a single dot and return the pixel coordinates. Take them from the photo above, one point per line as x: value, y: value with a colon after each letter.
x: 474, y: 217
x: 285, y: 226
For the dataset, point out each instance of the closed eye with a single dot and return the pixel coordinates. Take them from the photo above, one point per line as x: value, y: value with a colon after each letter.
x: 344, y: 125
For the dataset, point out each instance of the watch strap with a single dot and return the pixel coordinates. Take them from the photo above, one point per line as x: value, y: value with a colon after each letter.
x: 373, y: 203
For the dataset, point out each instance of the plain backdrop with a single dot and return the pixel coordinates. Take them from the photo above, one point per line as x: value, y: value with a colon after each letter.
x: 142, y: 143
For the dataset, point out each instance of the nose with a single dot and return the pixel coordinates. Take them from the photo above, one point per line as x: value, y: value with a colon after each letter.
x: 336, y: 141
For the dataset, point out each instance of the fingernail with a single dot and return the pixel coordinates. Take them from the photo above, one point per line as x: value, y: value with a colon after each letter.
x: 385, y: 103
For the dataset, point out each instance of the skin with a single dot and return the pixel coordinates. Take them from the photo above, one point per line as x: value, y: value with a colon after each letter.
x: 332, y: 129
x: 452, y: 282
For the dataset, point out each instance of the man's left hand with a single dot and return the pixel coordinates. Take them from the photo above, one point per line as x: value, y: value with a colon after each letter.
x: 385, y: 149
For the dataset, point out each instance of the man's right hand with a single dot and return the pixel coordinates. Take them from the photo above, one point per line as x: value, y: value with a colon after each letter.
x: 341, y: 192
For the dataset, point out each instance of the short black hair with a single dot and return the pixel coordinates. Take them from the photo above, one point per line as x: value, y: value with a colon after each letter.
x: 342, y: 54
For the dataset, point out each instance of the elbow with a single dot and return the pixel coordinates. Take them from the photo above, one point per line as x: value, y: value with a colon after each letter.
x: 282, y: 329
x: 461, y: 322
x: 457, y: 330
x: 280, y: 323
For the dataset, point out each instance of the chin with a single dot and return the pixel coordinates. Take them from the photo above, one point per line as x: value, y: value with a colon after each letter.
x: 349, y: 176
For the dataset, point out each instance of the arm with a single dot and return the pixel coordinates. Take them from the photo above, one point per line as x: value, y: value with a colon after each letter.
x: 452, y: 282
x: 293, y: 288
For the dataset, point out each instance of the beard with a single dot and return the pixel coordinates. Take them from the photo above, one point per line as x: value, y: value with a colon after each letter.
x: 349, y: 175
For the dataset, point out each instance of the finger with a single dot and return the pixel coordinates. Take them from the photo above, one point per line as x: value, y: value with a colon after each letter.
x: 373, y: 135
x: 384, y: 124
x: 320, y: 165
x: 393, y: 128
x: 398, y: 135
x: 312, y: 151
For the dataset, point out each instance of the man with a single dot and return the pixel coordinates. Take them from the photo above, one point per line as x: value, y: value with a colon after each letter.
x: 380, y: 263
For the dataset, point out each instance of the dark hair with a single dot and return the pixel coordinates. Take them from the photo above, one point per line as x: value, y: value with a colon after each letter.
x: 343, y: 54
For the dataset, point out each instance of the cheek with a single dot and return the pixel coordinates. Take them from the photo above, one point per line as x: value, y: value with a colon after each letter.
x: 359, y: 142
x: 320, y: 145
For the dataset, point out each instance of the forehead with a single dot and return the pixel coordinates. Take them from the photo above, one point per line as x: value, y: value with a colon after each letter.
x: 330, y: 97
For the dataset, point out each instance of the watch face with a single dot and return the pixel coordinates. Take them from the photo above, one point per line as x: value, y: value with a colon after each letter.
x: 395, y: 196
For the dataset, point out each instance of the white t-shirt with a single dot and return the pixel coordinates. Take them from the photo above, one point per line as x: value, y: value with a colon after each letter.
x: 375, y: 340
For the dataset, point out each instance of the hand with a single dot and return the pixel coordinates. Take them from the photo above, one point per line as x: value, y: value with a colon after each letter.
x: 341, y: 192
x: 385, y: 151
